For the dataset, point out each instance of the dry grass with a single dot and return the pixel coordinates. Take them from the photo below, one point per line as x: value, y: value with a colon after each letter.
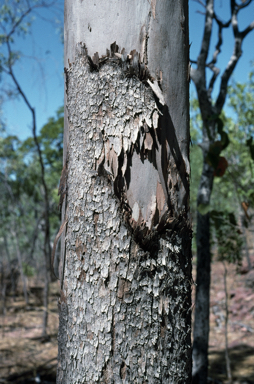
x: 23, y: 353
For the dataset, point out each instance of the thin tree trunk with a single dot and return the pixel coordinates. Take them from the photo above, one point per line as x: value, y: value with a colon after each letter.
x: 125, y: 306
x: 229, y: 373
x: 19, y: 257
x: 13, y: 284
x: 47, y: 250
x: 202, y: 302
x: 246, y: 246
x: 34, y: 238
x: 45, y: 303
x: 14, y: 232
x: 3, y: 289
x: 48, y: 272
x: 202, y: 299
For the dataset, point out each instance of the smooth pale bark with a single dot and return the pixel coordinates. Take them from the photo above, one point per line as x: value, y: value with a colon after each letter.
x: 125, y: 302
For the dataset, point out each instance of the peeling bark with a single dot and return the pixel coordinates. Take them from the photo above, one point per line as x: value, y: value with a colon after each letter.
x: 125, y: 306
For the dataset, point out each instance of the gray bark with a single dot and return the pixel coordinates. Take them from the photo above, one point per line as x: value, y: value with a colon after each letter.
x: 126, y: 270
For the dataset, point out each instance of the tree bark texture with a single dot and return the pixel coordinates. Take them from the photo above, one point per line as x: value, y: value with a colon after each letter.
x: 126, y: 295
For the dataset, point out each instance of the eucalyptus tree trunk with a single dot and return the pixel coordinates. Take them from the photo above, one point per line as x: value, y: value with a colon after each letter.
x: 125, y: 305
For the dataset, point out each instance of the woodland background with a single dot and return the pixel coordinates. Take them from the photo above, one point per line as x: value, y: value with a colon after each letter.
x: 30, y: 169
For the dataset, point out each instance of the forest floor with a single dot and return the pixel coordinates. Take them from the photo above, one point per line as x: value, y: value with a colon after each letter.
x: 240, y: 288
x: 24, y: 354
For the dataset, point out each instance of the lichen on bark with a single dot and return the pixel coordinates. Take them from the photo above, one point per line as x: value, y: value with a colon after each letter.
x: 128, y: 300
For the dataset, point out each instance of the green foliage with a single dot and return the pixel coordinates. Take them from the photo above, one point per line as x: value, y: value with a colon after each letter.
x: 203, y: 208
x: 28, y: 270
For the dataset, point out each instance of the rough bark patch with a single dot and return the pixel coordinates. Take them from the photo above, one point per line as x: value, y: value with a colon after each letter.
x: 136, y: 146
x: 128, y: 317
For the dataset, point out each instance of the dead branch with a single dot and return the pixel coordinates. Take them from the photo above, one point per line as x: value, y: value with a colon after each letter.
x: 207, y: 35
x: 200, y: 2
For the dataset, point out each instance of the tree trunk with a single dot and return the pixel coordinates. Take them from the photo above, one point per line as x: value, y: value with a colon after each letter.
x: 246, y: 246
x: 202, y: 299
x: 48, y: 272
x: 227, y: 358
x: 19, y: 258
x: 125, y: 302
x: 45, y: 301
x: 13, y: 282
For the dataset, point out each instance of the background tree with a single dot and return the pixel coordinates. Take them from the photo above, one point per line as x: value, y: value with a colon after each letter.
x: 21, y: 199
x: 234, y: 190
x: 214, y: 140
x: 16, y: 17
x: 126, y: 281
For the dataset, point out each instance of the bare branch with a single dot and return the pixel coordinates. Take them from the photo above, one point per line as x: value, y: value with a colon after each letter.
x: 216, y: 72
x: 234, y: 20
x: 16, y: 82
x: 247, y: 30
x: 232, y: 6
x: 219, y: 22
x: 243, y: 5
x: 211, y: 65
x: 21, y: 92
x: 29, y: 10
x: 239, y: 36
x: 201, y: 13
x: 200, y: 2
x: 226, y: 75
x: 207, y: 35
x: 217, y: 48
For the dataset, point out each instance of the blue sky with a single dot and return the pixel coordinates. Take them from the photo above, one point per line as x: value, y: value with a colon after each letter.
x: 40, y: 71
